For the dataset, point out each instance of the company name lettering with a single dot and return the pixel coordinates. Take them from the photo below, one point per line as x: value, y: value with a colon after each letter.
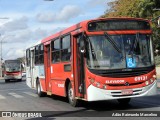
x: 115, y: 81
x: 60, y: 85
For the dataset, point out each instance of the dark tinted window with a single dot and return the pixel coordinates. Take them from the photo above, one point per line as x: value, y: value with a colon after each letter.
x: 61, y: 49
x: 57, y: 44
x: 66, y: 48
x: 55, y: 56
x: 66, y: 42
x: 28, y: 57
x: 39, y: 54
x: 36, y: 50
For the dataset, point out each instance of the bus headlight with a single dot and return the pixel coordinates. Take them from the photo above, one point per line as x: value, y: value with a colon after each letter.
x: 147, y: 82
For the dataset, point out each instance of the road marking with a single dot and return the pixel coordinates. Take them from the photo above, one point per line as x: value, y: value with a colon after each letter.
x: 31, y: 94
x: 2, y: 97
x: 16, y: 89
x: 15, y: 95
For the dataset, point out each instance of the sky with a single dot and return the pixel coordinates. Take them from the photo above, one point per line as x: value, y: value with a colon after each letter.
x: 29, y: 21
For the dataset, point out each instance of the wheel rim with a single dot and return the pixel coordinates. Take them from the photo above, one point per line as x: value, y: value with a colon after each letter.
x: 70, y: 94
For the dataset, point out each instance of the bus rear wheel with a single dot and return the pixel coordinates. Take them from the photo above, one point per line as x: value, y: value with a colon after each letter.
x: 20, y: 80
x: 124, y: 101
x: 71, y: 97
x: 39, y: 91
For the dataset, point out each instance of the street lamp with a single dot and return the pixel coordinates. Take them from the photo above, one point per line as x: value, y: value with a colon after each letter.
x: 4, y: 18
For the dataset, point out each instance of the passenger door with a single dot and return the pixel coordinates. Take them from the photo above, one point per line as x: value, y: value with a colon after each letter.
x: 80, y: 66
x: 48, y: 68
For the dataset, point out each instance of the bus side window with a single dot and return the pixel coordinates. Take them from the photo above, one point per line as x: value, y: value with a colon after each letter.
x: 28, y: 57
x: 66, y: 48
x: 56, y: 51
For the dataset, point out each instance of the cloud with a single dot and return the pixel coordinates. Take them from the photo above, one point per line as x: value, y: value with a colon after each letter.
x: 12, y: 52
x: 17, y: 24
x: 45, y: 17
x: 67, y: 13
x: 23, y: 36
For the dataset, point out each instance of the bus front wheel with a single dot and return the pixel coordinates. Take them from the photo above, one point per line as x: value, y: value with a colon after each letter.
x: 71, y: 97
x: 124, y: 101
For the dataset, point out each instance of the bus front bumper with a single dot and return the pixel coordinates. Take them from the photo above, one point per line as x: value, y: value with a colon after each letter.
x: 12, y: 77
x: 96, y: 94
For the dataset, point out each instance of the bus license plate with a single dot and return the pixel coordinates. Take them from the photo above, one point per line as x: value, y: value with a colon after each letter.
x: 127, y: 92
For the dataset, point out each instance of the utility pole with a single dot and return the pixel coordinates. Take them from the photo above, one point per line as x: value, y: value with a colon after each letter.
x: 3, y: 18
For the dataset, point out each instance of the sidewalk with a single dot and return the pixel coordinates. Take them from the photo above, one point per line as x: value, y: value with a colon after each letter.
x: 158, y: 76
x: 158, y: 83
x: 158, y: 72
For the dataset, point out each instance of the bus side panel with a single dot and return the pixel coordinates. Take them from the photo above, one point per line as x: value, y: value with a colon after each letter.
x: 58, y: 78
x: 35, y: 75
x: 58, y: 87
x: 28, y: 76
x: 38, y: 74
x: 43, y: 84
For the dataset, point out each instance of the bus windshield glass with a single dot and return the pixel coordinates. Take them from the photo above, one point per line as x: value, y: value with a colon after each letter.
x: 136, y: 51
x: 12, y: 66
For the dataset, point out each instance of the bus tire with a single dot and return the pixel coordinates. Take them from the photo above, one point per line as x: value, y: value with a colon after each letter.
x: 39, y: 92
x: 6, y: 81
x: 124, y: 101
x: 20, y: 80
x: 71, y: 98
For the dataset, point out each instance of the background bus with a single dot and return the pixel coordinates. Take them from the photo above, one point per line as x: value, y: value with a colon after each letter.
x: 101, y: 59
x: 12, y: 70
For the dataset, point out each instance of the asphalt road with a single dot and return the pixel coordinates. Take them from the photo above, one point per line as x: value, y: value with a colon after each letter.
x: 17, y: 96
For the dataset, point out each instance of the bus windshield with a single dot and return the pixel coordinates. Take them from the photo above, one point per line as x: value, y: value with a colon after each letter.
x: 135, y: 51
x: 12, y: 66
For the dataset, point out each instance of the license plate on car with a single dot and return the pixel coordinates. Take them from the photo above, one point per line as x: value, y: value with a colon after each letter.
x: 127, y: 92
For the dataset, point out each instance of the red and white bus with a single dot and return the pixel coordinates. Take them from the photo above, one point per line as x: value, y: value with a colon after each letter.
x: 12, y: 70
x: 100, y: 59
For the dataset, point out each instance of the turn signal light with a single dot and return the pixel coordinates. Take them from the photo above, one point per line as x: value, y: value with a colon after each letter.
x: 151, y: 80
x: 104, y: 86
x: 97, y: 84
x: 154, y: 76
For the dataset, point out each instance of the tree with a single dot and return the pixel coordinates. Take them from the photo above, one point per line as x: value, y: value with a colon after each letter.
x: 121, y: 8
x: 146, y: 8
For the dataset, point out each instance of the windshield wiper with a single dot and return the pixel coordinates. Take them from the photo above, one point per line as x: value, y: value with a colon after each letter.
x: 114, y: 44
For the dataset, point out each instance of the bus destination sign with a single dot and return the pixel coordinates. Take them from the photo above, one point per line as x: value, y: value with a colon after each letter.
x: 118, y: 25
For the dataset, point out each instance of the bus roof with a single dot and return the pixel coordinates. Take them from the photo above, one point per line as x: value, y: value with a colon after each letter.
x: 83, y: 24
